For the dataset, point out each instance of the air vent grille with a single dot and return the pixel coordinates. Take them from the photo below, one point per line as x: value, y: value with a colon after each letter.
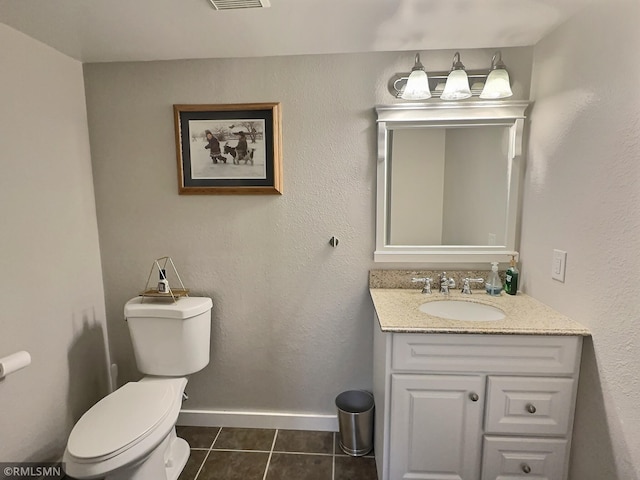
x: 238, y: 4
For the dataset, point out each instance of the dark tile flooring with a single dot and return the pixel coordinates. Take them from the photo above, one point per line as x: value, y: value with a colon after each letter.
x: 264, y: 454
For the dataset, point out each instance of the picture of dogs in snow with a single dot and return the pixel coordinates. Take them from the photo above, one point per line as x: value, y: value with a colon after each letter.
x: 227, y: 149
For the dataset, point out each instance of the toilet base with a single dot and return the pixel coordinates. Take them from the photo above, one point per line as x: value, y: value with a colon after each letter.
x: 165, y: 462
x: 179, y: 455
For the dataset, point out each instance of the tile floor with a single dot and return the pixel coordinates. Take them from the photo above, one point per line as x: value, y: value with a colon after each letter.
x: 263, y: 454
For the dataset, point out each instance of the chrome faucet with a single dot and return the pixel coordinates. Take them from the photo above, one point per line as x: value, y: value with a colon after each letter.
x: 446, y: 283
x: 427, y: 284
x: 466, y: 289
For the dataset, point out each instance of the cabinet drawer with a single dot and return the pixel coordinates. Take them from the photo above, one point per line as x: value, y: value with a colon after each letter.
x: 529, y: 405
x: 513, y: 458
x: 517, y: 354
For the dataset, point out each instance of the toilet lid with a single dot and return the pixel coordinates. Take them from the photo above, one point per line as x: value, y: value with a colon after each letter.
x: 118, y: 420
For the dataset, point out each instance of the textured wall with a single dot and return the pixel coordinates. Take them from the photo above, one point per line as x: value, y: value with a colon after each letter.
x: 51, y: 284
x: 582, y: 195
x: 292, y: 318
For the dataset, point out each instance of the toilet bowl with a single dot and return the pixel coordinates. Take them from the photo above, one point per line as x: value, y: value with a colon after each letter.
x: 130, y: 434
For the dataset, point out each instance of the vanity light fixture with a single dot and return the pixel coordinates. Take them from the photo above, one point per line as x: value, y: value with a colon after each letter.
x: 417, y: 87
x: 457, y: 86
x: 454, y: 84
x: 497, y: 84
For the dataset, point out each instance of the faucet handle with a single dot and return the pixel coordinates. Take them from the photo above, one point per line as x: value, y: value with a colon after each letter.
x: 427, y: 283
x: 466, y: 289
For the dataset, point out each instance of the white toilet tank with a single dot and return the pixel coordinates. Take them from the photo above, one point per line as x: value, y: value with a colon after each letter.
x: 170, y: 339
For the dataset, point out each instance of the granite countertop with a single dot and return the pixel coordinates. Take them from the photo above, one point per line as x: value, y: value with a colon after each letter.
x: 398, y: 311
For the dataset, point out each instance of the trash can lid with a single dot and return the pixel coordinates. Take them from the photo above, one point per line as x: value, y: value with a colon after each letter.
x: 354, y: 401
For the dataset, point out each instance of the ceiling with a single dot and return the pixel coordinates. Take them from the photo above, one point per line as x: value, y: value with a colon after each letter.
x: 139, y: 30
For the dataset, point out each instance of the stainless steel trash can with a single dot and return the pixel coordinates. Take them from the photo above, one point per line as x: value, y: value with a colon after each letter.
x: 355, y: 419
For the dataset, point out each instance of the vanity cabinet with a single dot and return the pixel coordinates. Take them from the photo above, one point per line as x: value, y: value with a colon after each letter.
x: 474, y: 406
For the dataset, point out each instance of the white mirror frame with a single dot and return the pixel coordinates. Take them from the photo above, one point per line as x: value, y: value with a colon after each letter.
x: 509, y: 113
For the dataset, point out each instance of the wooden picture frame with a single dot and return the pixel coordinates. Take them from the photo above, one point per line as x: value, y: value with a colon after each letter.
x: 229, y: 149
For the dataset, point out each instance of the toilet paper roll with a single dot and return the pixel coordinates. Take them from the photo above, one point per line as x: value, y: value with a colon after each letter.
x: 14, y: 362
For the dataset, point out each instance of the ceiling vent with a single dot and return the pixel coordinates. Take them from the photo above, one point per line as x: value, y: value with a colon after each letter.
x: 238, y: 4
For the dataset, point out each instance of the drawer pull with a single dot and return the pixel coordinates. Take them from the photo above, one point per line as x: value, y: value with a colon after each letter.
x: 526, y: 468
x: 474, y: 397
x: 531, y: 408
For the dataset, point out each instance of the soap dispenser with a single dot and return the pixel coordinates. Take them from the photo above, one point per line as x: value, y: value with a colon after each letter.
x: 493, y: 286
x: 511, y: 278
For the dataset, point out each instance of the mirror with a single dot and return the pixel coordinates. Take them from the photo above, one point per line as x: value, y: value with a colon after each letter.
x: 448, y: 178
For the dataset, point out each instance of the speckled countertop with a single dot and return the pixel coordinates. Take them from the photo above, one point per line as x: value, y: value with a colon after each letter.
x: 398, y: 311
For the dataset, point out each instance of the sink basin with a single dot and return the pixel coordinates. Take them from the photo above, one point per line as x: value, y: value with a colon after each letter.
x: 461, y: 310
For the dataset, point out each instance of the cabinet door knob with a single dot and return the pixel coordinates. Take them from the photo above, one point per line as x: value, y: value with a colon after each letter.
x: 474, y: 397
x: 526, y: 468
x: 531, y: 408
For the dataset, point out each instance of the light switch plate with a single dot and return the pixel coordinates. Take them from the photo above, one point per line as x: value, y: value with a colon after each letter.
x: 559, y: 265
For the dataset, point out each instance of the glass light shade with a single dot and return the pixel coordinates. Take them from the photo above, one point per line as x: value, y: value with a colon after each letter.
x: 497, y: 85
x: 417, y: 87
x: 457, y: 86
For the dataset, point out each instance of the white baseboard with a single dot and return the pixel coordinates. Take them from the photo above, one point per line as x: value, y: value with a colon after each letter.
x: 276, y: 420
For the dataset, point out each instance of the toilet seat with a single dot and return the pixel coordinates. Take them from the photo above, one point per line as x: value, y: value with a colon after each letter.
x: 124, y: 418
x: 124, y: 427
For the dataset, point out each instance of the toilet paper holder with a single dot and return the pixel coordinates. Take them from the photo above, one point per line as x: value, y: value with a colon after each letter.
x: 14, y: 362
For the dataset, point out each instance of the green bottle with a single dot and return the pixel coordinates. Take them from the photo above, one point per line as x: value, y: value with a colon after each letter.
x: 511, y: 278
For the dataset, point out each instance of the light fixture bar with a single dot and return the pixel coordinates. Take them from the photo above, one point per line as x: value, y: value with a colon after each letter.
x: 478, y: 80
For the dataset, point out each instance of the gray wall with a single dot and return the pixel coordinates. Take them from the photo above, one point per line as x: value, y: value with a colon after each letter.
x: 51, y: 282
x: 292, y: 318
x: 582, y: 195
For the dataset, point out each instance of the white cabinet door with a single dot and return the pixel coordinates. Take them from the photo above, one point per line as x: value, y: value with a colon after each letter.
x: 436, y: 432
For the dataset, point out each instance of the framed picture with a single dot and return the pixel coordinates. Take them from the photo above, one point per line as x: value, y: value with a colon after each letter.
x: 229, y: 149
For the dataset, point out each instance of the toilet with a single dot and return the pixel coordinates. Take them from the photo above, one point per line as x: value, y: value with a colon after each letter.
x: 130, y: 434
